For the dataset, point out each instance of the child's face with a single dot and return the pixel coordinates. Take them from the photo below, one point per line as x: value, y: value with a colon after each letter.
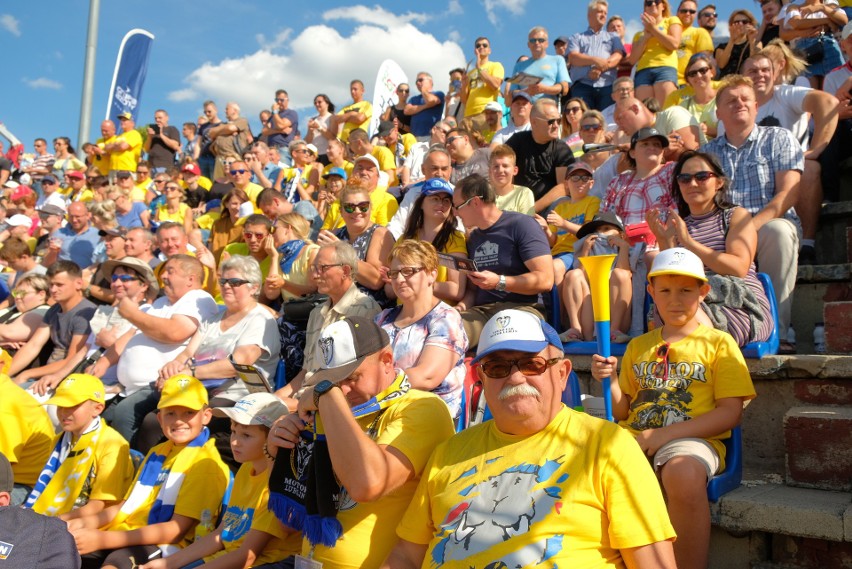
x: 247, y: 442
x: 182, y: 424
x: 677, y: 297
x: 579, y: 183
x: 75, y: 419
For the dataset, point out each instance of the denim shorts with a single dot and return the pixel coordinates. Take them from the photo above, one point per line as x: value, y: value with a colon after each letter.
x: 651, y: 75
x: 831, y: 59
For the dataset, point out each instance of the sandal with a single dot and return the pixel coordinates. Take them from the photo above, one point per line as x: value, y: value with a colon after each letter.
x: 786, y: 348
x: 619, y: 337
x: 571, y: 335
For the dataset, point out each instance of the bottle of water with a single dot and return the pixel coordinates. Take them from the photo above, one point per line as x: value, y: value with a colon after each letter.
x: 791, y: 335
x: 205, y: 524
x: 819, y: 338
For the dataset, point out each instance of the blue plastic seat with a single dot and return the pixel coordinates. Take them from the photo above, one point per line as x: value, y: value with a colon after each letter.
x: 576, y: 348
x: 769, y: 347
x: 731, y: 477
x: 280, y: 375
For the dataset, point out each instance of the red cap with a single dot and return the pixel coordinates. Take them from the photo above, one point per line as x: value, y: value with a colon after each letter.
x: 75, y: 174
x: 192, y: 169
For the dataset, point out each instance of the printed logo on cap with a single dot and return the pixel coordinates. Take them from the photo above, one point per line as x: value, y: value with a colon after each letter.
x: 183, y: 383
x: 503, y: 321
x: 327, y: 347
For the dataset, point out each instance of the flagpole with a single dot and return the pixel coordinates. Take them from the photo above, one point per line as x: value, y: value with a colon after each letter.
x: 88, y: 77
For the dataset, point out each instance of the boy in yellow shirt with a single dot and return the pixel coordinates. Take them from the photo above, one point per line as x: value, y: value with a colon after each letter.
x: 680, y: 391
x: 90, y: 467
x: 180, y: 482
x: 249, y: 535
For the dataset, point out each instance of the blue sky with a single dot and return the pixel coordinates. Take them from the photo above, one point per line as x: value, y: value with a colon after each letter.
x: 243, y: 51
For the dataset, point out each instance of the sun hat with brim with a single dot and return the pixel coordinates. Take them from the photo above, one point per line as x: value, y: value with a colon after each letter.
x: 678, y: 261
x: 605, y: 218
x: 77, y: 388
x: 254, y: 409
x: 518, y: 331
x: 137, y: 265
x: 345, y: 345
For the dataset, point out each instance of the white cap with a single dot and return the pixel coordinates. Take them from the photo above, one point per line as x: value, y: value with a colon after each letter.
x: 494, y: 106
x: 678, y: 261
x: 369, y: 158
x: 516, y: 330
x: 847, y: 31
x: 255, y: 409
x: 20, y: 220
x: 246, y: 209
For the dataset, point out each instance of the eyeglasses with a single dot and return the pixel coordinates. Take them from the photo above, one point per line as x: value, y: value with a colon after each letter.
x: 453, y: 138
x: 124, y: 278
x: 463, y: 204
x: 440, y: 199
x: 48, y: 182
x: 649, y: 3
x: 21, y: 293
x: 420, y: 80
x: 172, y: 188
x: 686, y: 11
x: 360, y: 206
x: 144, y: 172
x: 624, y: 90
x: 537, y: 40
x: 160, y: 181
x: 702, y: 176
x: 402, y: 90
x: 708, y: 15
x: 235, y: 172
x: 572, y: 109
x: 591, y: 127
x: 321, y: 269
x: 481, y: 44
x: 406, y: 272
x: 580, y: 178
x: 529, y: 367
x: 233, y: 282
x: 696, y: 72
x: 250, y: 235
x: 550, y: 122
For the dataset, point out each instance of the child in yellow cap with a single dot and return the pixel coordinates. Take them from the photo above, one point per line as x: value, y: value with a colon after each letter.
x: 90, y: 467
x: 180, y: 482
x: 249, y: 535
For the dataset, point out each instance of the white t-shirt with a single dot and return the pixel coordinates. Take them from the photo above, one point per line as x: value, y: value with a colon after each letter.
x: 143, y: 357
x: 835, y: 79
x: 505, y: 133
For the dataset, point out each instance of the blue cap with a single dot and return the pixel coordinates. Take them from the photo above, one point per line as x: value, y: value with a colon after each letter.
x: 336, y: 171
x: 436, y: 186
x: 516, y: 330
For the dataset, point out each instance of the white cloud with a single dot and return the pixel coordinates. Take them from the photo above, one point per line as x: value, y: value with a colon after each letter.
x: 455, y: 8
x: 454, y: 36
x: 280, y: 39
x: 320, y: 60
x: 722, y: 30
x: 11, y: 24
x: 631, y: 27
x: 514, y: 7
x: 42, y: 83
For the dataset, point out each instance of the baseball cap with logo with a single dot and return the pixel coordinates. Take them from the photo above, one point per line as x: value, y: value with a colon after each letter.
x: 518, y: 331
x: 346, y: 344
x: 75, y: 389
x: 183, y: 390
x: 678, y: 261
x: 254, y: 409
x: 191, y: 168
x: 336, y: 171
x: 436, y: 186
x: 126, y: 115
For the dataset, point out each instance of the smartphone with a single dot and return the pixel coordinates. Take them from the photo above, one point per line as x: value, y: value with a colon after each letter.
x: 155, y: 128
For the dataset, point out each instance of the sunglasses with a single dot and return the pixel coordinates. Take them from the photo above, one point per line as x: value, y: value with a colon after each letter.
x: 697, y: 72
x: 572, y: 109
x: 363, y: 207
x: 420, y: 80
x: 235, y: 172
x: 48, y: 183
x: 708, y: 15
x: 21, y: 293
x: 580, y: 178
x: 529, y: 367
x: 280, y: 100
x: 124, y: 278
x: 453, y: 138
x: 702, y: 176
x: 406, y: 272
x: 649, y: 3
x: 538, y: 40
x: 591, y: 127
x: 402, y: 90
x: 550, y: 122
x: 233, y: 282
x: 479, y: 45
x: 250, y: 235
x: 160, y: 181
x: 686, y: 11
x: 740, y: 22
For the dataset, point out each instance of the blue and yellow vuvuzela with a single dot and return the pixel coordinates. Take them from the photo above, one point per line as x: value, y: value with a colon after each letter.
x: 598, y: 269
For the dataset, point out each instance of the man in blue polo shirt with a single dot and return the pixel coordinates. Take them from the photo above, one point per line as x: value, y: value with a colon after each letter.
x: 425, y: 109
x: 594, y: 56
x: 550, y: 68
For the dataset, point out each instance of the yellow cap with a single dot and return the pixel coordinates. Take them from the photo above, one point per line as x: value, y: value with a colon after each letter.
x: 75, y: 389
x: 183, y: 390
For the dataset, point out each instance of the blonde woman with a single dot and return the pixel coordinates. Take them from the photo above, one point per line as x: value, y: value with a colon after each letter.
x: 291, y: 254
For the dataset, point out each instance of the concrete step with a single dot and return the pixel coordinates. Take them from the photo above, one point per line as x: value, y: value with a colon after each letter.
x: 838, y: 327
x: 818, y: 446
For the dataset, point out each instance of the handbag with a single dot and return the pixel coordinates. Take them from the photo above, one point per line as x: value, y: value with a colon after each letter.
x: 814, y: 53
x: 298, y: 310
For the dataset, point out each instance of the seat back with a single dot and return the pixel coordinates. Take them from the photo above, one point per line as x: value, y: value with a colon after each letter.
x: 730, y: 478
x: 770, y: 346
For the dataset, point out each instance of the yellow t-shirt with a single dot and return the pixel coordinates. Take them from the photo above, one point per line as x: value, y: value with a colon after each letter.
x: 520, y: 199
x: 365, y: 107
x: 206, y: 220
x: 655, y: 55
x: 457, y: 245
x: 139, y: 192
x: 693, y: 40
x: 252, y: 190
x: 386, y: 161
x: 178, y: 217
x: 383, y: 206
x: 704, y: 367
x: 128, y: 159
x: 573, y: 495
x: 414, y: 426
x: 579, y: 213
x: 481, y: 93
x: 201, y: 491
x: 300, y: 270
x: 102, y: 162
x: 26, y: 433
x: 247, y: 511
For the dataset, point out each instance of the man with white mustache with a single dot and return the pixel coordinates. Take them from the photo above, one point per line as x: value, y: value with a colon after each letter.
x: 540, y: 482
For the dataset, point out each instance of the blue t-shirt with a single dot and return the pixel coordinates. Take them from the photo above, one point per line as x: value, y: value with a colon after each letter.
x: 422, y: 122
x: 551, y: 69
x: 131, y: 218
x: 78, y: 248
x: 278, y: 139
x: 503, y: 248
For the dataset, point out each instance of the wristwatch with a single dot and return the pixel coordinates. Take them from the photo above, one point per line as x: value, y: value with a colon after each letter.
x: 501, y: 284
x: 321, y: 389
